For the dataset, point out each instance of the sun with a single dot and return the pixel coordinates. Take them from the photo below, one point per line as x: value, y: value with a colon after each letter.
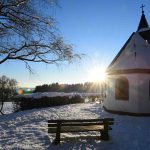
x: 97, y: 74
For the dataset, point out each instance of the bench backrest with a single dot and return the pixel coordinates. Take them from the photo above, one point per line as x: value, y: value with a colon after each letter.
x: 78, y: 122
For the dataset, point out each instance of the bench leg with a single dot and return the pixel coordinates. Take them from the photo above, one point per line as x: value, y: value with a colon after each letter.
x: 104, y: 136
x: 104, y: 133
x: 57, y: 140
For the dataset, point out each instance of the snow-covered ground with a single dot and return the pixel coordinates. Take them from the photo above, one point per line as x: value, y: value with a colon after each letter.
x: 27, y: 130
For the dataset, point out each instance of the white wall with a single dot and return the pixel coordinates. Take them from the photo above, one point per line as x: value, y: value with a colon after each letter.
x: 139, y: 100
x: 143, y: 93
x: 130, y: 105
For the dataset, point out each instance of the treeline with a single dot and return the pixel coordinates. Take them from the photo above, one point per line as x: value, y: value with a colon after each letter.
x: 86, y: 87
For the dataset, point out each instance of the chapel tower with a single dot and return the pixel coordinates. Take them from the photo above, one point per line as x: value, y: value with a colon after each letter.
x: 128, y: 89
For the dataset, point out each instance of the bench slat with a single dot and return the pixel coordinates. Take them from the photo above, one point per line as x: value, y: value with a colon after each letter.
x: 81, y: 124
x: 79, y: 120
x: 52, y: 125
x: 86, y: 124
x: 78, y: 124
x: 65, y: 129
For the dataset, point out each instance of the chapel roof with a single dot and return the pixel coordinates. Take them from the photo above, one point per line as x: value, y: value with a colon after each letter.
x: 143, y: 27
x: 136, y: 51
x: 143, y: 24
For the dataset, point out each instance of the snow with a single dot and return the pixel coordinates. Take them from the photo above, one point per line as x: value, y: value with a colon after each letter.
x: 27, y: 130
x: 7, y: 108
x: 143, y: 29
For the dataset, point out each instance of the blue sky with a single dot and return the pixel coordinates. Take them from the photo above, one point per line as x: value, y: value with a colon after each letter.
x: 96, y: 28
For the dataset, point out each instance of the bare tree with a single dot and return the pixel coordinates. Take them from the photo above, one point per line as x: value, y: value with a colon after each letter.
x: 28, y: 34
x: 7, y: 90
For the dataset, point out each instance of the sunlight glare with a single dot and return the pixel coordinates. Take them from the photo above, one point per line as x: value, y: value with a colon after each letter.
x: 97, y: 74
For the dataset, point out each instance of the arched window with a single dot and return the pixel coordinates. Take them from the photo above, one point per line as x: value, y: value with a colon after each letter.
x: 122, y: 89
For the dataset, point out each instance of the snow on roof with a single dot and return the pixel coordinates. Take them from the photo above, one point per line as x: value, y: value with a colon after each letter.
x: 144, y: 29
x: 135, y: 54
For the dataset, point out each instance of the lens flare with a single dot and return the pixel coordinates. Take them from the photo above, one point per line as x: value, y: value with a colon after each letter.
x: 97, y: 74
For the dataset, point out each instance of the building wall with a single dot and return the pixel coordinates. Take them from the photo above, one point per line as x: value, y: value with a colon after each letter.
x: 143, y: 93
x: 139, y: 94
x: 130, y: 105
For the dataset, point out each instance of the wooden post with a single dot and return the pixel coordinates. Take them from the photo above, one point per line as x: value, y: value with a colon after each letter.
x: 104, y: 133
x: 57, y: 140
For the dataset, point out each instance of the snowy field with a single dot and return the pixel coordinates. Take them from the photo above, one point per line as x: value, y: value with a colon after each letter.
x: 27, y: 130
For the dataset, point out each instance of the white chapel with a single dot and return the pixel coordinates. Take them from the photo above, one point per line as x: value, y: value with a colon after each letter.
x: 128, y: 88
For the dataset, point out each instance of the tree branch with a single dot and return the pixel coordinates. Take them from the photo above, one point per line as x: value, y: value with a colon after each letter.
x: 28, y: 36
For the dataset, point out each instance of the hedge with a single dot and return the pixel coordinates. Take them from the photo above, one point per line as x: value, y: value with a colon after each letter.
x: 23, y: 103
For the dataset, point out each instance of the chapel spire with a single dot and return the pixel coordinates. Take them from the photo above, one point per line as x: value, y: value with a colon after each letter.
x: 142, y: 7
x: 143, y: 22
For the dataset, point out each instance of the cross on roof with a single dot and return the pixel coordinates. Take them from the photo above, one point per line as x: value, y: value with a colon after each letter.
x: 142, y: 8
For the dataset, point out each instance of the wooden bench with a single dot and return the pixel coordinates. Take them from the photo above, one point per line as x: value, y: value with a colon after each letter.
x: 64, y: 126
